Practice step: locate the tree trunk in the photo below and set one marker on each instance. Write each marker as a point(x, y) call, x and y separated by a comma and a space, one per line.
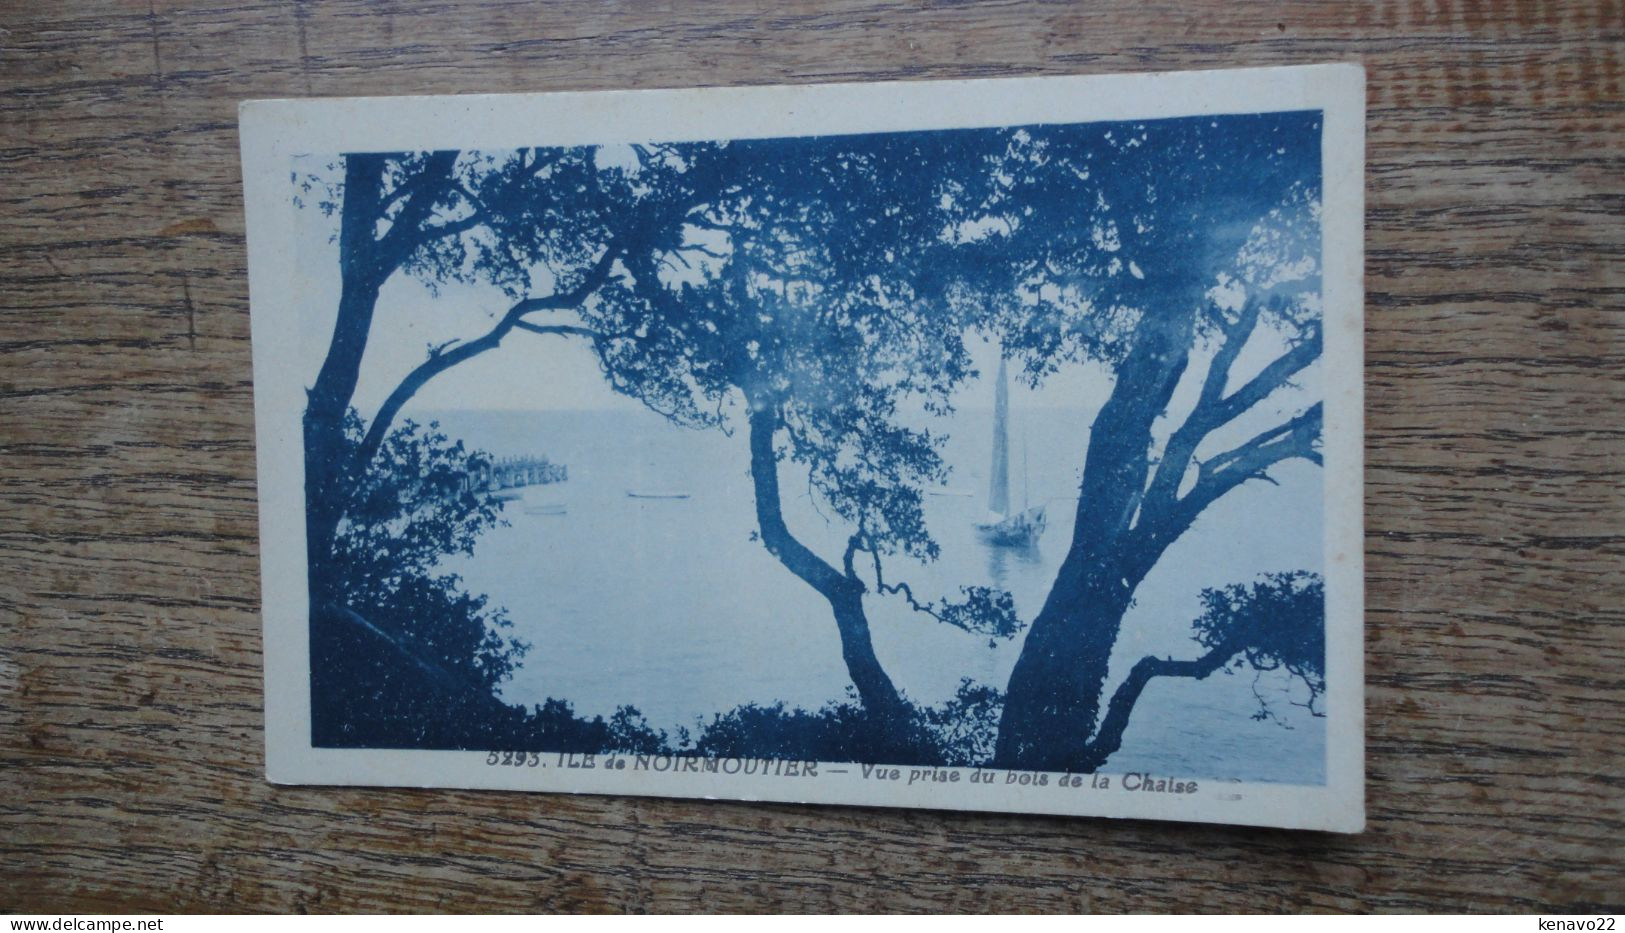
point(327, 453)
point(843, 593)
point(875, 688)
point(1053, 697)
point(1054, 692)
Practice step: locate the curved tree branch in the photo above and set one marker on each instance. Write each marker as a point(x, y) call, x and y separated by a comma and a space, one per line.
point(900, 588)
point(986, 611)
point(406, 233)
point(1109, 737)
point(1271, 377)
point(776, 535)
point(1214, 409)
point(445, 358)
point(567, 330)
point(1297, 438)
point(1163, 519)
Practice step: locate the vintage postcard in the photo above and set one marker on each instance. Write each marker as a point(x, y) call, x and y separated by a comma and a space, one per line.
point(983, 445)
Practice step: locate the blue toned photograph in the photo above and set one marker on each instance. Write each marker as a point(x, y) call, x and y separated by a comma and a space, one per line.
point(987, 447)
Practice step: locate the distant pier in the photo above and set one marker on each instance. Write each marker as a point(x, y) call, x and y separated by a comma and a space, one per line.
point(514, 473)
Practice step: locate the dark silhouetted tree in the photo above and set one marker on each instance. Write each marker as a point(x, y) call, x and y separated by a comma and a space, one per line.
point(812, 295)
point(1275, 624)
point(1134, 246)
point(417, 649)
point(400, 652)
point(545, 226)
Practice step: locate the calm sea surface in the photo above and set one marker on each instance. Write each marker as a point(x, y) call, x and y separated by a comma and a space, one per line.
point(669, 606)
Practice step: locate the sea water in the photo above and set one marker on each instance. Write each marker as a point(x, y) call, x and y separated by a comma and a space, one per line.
point(670, 605)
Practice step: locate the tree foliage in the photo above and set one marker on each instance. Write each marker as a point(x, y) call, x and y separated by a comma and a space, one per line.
point(806, 291)
point(1082, 234)
point(797, 290)
point(811, 289)
point(1275, 623)
point(409, 512)
point(405, 655)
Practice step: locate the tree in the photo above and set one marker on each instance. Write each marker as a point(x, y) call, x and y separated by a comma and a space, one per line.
point(1132, 247)
point(812, 296)
point(406, 516)
point(399, 652)
point(417, 646)
point(1276, 623)
point(547, 227)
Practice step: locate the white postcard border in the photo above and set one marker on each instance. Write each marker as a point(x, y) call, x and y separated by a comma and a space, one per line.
point(274, 131)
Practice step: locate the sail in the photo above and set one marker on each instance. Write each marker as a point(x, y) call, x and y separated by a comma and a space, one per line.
point(998, 492)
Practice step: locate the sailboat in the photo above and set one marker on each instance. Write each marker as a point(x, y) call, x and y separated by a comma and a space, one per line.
point(1004, 528)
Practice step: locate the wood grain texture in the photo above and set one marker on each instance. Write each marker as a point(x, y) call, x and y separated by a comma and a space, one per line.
point(130, 696)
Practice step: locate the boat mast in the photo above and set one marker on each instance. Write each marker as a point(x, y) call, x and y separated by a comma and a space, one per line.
point(1026, 502)
point(998, 494)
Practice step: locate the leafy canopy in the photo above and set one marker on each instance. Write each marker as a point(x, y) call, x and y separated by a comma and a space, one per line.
point(409, 512)
point(1274, 623)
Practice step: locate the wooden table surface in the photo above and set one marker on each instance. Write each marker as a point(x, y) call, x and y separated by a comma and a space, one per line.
point(130, 695)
